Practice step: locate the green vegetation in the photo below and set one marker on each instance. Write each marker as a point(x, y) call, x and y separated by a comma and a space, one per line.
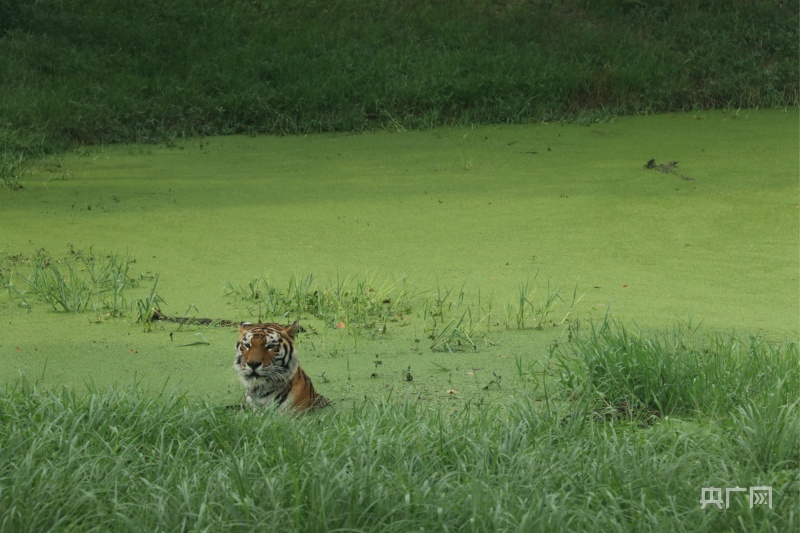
point(365, 304)
point(100, 72)
point(81, 282)
point(120, 460)
point(678, 373)
point(477, 264)
point(618, 429)
point(488, 306)
point(370, 305)
point(567, 205)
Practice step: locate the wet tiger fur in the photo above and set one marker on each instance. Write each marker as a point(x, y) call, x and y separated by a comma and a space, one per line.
point(267, 365)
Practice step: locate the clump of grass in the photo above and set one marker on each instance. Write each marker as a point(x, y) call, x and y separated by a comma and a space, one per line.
point(545, 308)
point(359, 303)
point(441, 304)
point(523, 309)
point(84, 282)
point(143, 309)
point(81, 283)
point(486, 313)
point(526, 306)
point(451, 333)
point(19, 148)
point(456, 335)
point(11, 169)
point(767, 431)
point(679, 372)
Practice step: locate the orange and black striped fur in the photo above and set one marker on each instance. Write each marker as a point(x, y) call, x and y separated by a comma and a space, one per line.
point(267, 364)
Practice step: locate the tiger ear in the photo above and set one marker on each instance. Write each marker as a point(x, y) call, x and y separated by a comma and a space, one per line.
point(291, 330)
point(245, 326)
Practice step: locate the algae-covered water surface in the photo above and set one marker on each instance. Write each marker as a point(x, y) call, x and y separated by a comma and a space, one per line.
point(566, 215)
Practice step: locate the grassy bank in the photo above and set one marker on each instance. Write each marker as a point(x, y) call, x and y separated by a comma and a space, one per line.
point(93, 71)
point(120, 460)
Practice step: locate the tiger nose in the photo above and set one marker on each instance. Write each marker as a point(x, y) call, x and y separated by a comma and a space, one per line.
point(254, 365)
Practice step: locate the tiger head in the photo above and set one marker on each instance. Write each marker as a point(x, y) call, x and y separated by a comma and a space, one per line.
point(263, 345)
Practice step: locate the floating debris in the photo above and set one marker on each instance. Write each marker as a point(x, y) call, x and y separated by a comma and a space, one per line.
point(667, 168)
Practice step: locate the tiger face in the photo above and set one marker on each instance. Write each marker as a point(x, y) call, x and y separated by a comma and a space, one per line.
point(267, 365)
point(262, 347)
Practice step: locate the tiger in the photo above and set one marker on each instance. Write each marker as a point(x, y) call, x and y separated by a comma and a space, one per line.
point(266, 363)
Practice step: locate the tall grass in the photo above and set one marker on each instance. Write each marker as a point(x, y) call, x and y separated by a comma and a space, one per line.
point(118, 460)
point(83, 282)
point(456, 334)
point(359, 303)
point(680, 372)
point(94, 71)
point(369, 305)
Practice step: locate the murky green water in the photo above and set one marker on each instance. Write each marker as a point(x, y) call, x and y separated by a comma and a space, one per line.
point(489, 207)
